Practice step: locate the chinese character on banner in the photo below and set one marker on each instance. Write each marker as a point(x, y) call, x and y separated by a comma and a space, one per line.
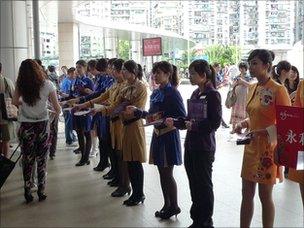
point(290, 130)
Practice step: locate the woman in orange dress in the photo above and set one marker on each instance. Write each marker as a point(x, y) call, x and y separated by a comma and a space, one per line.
point(258, 161)
point(298, 175)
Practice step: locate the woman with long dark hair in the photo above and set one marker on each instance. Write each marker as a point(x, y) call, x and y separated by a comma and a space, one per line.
point(32, 93)
point(292, 82)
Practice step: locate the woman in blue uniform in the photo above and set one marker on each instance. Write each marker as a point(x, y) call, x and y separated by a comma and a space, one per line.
point(165, 150)
point(82, 124)
point(103, 81)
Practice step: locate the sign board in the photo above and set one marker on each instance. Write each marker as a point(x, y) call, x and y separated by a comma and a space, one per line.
point(152, 46)
point(290, 133)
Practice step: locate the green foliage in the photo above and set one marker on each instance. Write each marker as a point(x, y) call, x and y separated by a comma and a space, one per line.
point(124, 48)
point(225, 55)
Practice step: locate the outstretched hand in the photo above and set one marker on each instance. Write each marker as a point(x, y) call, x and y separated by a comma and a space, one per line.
point(169, 122)
point(237, 129)
point(130, 109)
point(258, 133)
point(77, 108)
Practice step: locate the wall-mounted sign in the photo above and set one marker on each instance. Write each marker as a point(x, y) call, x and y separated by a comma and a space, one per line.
point(152, 46)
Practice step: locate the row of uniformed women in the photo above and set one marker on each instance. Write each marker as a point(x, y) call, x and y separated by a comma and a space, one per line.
point(128, 136)
point(124, 103)
point(116, 126)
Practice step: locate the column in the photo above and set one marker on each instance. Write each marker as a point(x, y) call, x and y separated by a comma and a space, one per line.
point(261, 23)
point(68, 43)
point(13, 36)
point(135, 48)
point(110, 43)
point(68, 34)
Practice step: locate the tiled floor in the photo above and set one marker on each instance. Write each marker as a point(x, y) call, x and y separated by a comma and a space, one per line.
point(79, 197)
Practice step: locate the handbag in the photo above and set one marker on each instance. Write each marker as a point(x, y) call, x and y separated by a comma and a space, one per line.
point(9, 111)
point(231, 98)
point(7, 166)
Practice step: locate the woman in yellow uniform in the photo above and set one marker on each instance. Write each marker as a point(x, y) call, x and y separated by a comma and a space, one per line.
point(258, 161)
point(298, 175)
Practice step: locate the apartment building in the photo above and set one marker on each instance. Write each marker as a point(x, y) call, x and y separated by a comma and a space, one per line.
point(268, 23)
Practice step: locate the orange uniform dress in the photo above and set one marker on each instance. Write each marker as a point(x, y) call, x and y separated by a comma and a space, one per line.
point(298, 175)
point(258, 161)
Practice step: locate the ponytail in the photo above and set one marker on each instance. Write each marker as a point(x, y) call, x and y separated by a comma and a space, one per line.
point(274, 73)
point(140, 73)
point(174, 79)
point(212, 76)
point(277, 69)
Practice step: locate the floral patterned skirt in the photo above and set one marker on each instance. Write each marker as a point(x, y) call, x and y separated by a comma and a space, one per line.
point(258, 162)
point(238, 111)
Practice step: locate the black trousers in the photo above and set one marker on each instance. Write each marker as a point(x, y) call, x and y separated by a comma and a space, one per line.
point(198, 166)
point(105, 151)
point(105, 147)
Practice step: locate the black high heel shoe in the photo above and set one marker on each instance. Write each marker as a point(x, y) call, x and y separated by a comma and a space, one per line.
point(77, 151)
point(113, 183)
point(82, 163)
point(166, 214)
point(41, 196)
point(157, 213)
point(28, 196)
point(120, 192)
point(132, 201)
point(110, 175)
point(101, 168)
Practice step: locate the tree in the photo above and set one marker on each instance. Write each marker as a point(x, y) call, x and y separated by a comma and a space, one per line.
point(124, 48)
point(224, 55)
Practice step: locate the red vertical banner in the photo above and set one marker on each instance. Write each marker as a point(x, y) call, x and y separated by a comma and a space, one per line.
point(290, 132)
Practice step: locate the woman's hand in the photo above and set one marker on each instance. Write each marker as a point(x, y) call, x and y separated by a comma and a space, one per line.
point(258, 133)
point(72, 102)
point(188, 125)
point(130, 110)
point(237, 129)
point(94, 111)
point(169, 122)
point(87, 91)
point(77, 108)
